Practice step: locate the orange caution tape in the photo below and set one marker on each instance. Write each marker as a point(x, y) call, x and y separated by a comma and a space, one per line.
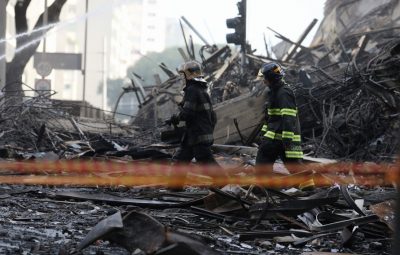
point(100, 173)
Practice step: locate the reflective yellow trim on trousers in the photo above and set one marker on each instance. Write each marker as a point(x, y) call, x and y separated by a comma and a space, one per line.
point(287, 134)
point(296, 138)
point(283, 111)
point(288, 111)
point(274, 111)
point(264, 128)
point(294, 154)
point(273, 135)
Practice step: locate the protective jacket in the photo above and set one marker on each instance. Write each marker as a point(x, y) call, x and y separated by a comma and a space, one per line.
point(197, 111)
point(282, 121)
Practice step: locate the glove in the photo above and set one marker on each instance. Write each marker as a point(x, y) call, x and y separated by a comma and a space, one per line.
point(174, 120)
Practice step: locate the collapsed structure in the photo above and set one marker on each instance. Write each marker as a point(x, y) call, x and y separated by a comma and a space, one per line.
point(347, 87)
point(346, 83)
point(349, 98)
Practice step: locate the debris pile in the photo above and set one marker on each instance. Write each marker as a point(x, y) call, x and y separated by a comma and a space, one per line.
point(36, 127)
point(348, 82)
point(347, 85)
point(351, 109)
point(231, 220)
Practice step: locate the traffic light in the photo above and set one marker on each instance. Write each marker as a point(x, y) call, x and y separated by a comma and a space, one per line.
point(239, 24)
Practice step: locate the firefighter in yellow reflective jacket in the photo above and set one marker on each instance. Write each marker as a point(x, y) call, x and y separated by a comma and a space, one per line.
point(281, 132)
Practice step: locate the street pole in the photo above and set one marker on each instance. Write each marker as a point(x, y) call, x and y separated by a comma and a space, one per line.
point(3, 18)
point(85, 55)
point(45, 21)
point(244, 14)
point(104, 73)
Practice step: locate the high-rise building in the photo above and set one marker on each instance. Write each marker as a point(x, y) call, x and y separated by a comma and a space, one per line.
point(119, 32)
point(125, 37)
point(7, 31)
point(153, 27)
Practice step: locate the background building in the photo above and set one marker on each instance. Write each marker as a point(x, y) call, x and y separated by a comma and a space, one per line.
point(7, 30)
point(118, 34)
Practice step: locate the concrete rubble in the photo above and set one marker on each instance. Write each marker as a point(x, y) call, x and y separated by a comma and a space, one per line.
point(347, 86)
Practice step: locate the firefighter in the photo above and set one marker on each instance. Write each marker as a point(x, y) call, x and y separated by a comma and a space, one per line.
point(281, 132)
point(197, 112)
point(231, 90)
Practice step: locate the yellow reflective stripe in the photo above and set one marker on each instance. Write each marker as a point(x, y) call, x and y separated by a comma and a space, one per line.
point(288, 111)
point(270, 134)
point(291, 135)
point(264, 128)
point(273, 135)
point(283, 111)
point(294, 154)
point(289, 114)
point(274, 111)
point(296, 138)
point(287, 134)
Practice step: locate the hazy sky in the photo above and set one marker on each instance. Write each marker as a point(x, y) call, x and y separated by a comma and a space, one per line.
point(288, 17)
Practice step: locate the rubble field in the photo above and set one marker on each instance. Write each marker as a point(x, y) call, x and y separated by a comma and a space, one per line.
point(347, 87)
point(53, 220)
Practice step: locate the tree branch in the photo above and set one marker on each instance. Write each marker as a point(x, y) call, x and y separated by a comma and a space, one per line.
point(21, 23)
point(27, 45)
point(53, 14)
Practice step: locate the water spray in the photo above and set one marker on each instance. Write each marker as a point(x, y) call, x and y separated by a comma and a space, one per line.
point(28, 33)
point(58, 25)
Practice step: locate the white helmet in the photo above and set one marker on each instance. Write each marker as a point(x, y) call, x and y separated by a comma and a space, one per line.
point(192, 71)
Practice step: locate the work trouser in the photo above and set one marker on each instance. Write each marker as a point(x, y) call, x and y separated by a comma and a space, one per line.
point(268, 152)
point(201, 152)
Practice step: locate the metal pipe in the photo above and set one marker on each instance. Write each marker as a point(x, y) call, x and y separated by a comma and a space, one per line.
point(195, 31)
point(45, 21)
point(85, 56)
point(244, 18)
point(184, 38)
point(3, 27)
point(294, 48)
point(104, 73)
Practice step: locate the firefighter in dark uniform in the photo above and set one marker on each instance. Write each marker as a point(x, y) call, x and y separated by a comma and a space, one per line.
point(231, 90)
point(197, 112)
point(281, 132)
